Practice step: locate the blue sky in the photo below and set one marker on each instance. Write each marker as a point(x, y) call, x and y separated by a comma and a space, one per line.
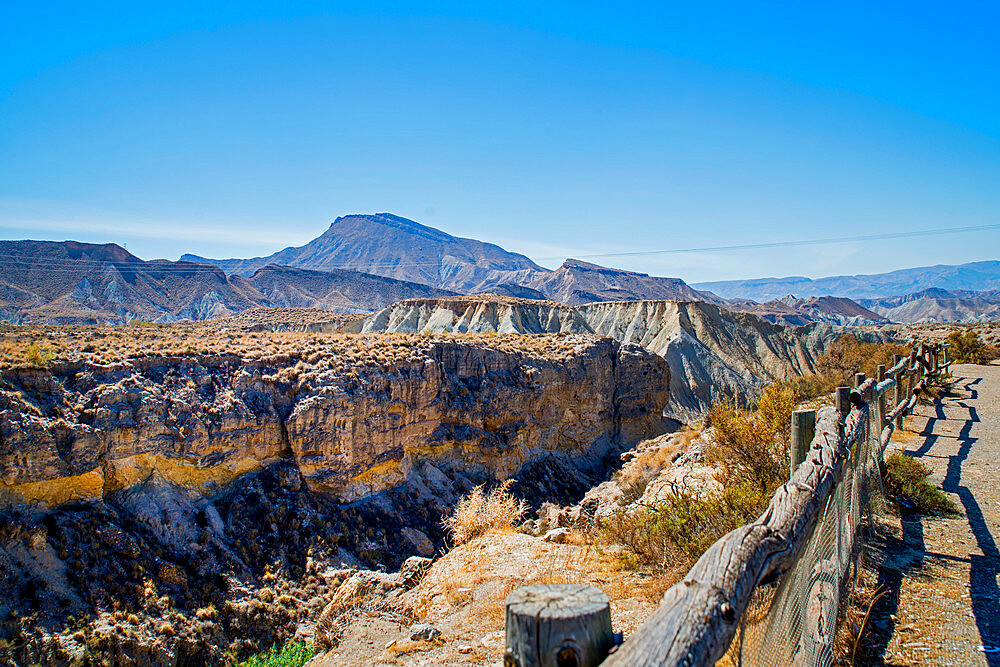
point(561, 130)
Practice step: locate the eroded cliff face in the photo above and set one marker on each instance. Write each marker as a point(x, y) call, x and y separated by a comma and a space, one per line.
point(188, 509)
point(713, 353)
point(81, 432)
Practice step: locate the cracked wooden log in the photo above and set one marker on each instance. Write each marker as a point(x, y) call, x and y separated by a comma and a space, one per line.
point(561, 625)
point(699, 616)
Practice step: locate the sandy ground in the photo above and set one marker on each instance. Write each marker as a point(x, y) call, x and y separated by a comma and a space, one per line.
point(942, 605)
point(463, 597)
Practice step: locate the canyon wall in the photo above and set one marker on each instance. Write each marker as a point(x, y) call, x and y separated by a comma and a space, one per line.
point(713, 353)
point(351, 426)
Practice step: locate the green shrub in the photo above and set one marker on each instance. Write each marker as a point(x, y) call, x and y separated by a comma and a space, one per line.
point(679, 530)
point(292, 654)
point(906, 481)
point(968, 348)
point(751, 446)
point(39, 356)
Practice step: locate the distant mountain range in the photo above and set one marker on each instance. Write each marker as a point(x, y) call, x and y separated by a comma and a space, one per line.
point(938, 305)
point(73, 283)
point(976, 276)
point(388, 245)
point(364, 263)
point(791, 311)
point(576, 283)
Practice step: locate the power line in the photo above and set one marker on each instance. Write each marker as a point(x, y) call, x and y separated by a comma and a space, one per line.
point(803, 242)
point(70, 265)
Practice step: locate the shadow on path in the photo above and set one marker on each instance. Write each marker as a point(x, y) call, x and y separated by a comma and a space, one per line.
point(985, 567)
point(983, 586)
point(907, 555)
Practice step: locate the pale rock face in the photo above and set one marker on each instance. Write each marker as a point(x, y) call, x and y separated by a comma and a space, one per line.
point(161, 434)
point(714, 354)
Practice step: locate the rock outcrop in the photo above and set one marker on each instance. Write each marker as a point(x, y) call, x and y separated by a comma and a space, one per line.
point(186, 509)
point(713, 353)
point(81, 432)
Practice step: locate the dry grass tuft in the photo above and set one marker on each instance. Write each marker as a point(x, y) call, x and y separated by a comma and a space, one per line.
point(479, 513)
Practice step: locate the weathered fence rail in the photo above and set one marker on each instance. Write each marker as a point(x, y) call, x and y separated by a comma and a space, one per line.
point(800, 548)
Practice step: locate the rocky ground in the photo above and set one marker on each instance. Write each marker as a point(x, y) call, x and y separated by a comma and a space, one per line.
point(455, 615)
point(198, 506)
point(941, 602)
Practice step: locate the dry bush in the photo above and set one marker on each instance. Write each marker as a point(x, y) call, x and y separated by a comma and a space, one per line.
point(479, 513)
point(838, 364)
point(968, 348)
point(751, 446)
point(849, 355)
point(635, 476)
point(673, 535)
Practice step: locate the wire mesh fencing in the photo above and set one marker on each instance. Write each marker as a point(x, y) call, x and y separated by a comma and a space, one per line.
point(792, 620)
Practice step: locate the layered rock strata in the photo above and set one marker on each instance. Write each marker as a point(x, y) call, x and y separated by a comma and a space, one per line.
point(190, 509)
point(80, 432)
point(713, 353)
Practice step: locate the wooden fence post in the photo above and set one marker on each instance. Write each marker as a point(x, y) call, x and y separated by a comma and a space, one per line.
point(898, 397)
point(803, 430)
point(843, 401)
point(558, 625)
point(879, 376)
point(859, 379)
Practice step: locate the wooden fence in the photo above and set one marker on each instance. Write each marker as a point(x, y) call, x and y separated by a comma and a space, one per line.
point(698, 618)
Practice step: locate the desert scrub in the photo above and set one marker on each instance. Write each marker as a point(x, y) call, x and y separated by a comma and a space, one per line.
point(906, 482)
point(678, 531)
point(292, 654)
point(968, 348)
point(751, 446)
point(36, 355)
point(479, 513)
point(838, 364)
point(750, 451)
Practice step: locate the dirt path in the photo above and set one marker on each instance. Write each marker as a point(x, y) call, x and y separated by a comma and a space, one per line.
point(943, 600)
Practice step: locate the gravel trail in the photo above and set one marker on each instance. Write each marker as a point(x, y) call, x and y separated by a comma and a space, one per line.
point(943, 601)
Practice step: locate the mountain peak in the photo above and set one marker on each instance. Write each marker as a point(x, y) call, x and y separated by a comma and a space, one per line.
point(579, 265)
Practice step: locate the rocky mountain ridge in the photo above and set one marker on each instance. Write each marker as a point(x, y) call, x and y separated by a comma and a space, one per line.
point(792, 311)
point(45, 282)
point(939, 305)
point(389, 245)
point(977, 276)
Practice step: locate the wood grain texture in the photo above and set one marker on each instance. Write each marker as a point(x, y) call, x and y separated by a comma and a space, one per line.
point(555, 625)
point(698, 617)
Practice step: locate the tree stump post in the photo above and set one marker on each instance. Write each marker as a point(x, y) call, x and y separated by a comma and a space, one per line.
point(843, 401)
point(803, 430)
point(559, 625)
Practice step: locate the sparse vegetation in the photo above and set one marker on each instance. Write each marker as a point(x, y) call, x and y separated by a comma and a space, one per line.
point(109, 344)
point(836, 367)
point(751, 451)
point(36, 355)
point(292, 654)
point(752, 445)
point(968, 348)
point(906, 482)
point(676, 532)
point(479, 513)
